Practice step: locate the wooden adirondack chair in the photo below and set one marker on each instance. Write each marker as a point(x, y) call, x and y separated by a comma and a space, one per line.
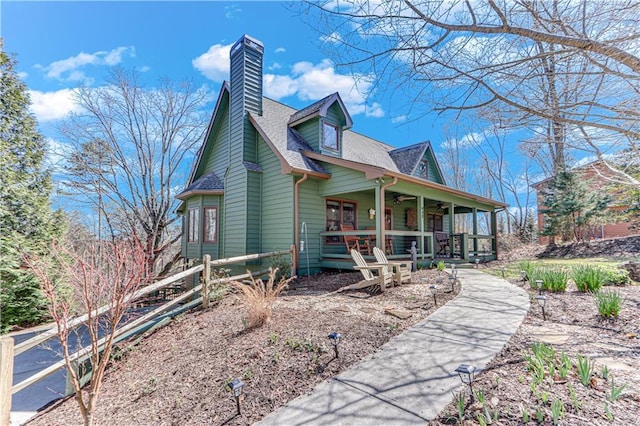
point(401, 270)
point(382, 278)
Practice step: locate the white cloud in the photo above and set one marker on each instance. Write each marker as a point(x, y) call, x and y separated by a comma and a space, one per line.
point(57, 154)
point(465, 141)
point(22, 75)
point(69, 69)
point(231, 11)
point(334, 37)
point(399, 119)
point(214, 64)
point(374, 110)
point(279, 86)
point(275, 66)
point(310, 82)
point(48, 106)
point(145, 68)
point(280, 50)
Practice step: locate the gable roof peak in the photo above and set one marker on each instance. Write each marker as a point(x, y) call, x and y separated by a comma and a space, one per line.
point(320, 108)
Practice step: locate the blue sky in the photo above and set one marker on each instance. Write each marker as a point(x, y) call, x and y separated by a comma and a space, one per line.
point(61, 45)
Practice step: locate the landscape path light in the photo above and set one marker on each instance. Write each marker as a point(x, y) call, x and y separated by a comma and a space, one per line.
point(524, 276)
point(335, 341)
point(235, 386)
point(452, 281)
point(467, 376)
point(502, 269)
point(539, 285)
point(432, 289)
point(542, 301)
point(477, 263)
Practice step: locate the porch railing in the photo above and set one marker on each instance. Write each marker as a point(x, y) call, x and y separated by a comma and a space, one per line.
point(462, 245)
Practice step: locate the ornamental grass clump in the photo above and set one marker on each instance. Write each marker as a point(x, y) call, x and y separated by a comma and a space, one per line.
point(554, 279)
point(609, 303)
point(588, 278)
point(259, 297)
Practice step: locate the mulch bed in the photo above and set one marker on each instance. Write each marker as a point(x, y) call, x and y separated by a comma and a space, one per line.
point(178, 375)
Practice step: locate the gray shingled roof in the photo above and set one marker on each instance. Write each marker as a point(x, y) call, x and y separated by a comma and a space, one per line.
point(208, 182)
point(356, 147)
point(408, 157)
point(311, 109)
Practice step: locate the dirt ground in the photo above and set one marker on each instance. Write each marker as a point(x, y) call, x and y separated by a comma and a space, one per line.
point(573, 326)
point(177, 375)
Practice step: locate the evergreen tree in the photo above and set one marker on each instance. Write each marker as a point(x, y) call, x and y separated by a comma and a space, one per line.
point(572, 207)
point(26, 220)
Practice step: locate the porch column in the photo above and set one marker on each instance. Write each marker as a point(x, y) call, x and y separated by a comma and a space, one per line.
point(494, 232)
point(475, 231)
point(452, 227)
point(379, 199)
point(420, 211)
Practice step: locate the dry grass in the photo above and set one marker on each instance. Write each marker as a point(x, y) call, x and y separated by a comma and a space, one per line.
point(259, 297)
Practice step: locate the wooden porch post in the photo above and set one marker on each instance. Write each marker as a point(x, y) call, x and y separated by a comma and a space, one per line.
point(379, 221)
point(452, 227)
point(420, 211)
point(475, 231)
point(494, 232)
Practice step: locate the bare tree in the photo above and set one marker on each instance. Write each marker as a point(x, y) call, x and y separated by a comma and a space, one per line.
point(80, 278)
point(130, 143)
point(567, 70)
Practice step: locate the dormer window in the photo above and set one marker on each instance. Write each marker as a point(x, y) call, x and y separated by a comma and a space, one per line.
point(331, 136)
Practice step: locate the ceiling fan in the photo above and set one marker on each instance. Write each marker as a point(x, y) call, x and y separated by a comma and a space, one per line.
point(397, 198)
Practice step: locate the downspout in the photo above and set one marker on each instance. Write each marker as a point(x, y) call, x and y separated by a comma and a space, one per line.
point(383, 237)
point(296, 217)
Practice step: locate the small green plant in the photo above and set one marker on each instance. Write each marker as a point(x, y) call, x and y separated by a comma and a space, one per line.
point(609, 303)
point(585, 369)
point(557, 410)
point(564, 366)
point(482, 419)
point(150, 386)
point(605, 372)
point(616, 391)
point(539, 415)
point(273, 338)
point(283, 267)
point(588, 278)
point(616, 277)
point(248, 374)
point(528, 267)
point(276, 357)
point(554, 279)
point(607, 412)
point(480, 396)
point(575, 402)
point(525, 414)
point(440, 266)
point(461, 405)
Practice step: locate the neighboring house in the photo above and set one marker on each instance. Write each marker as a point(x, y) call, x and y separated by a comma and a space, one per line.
point(269, 176)
point(594, 174)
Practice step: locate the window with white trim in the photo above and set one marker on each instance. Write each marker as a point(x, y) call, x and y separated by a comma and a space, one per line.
point(331, 136)
point(210, 223)
point(193, 225)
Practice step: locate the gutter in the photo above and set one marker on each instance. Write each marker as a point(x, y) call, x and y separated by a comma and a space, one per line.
point(296, 218)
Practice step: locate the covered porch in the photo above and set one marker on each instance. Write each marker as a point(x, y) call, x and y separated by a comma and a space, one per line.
point(445, 224)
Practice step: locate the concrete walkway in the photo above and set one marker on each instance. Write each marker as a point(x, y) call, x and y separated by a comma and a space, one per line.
point(411, 379)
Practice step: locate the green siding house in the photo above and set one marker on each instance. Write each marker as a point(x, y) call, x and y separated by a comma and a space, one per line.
point(269, 176)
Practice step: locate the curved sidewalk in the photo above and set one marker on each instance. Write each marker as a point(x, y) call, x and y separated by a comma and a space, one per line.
point(411, 379)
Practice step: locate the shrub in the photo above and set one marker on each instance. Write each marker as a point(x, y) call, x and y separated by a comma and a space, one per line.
point(260, 297)
point(527, 267)
point(609, 303)
point(441, 265)
point(282, 265)
point(554, 279)
point(616, 277)
point(588, 278)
